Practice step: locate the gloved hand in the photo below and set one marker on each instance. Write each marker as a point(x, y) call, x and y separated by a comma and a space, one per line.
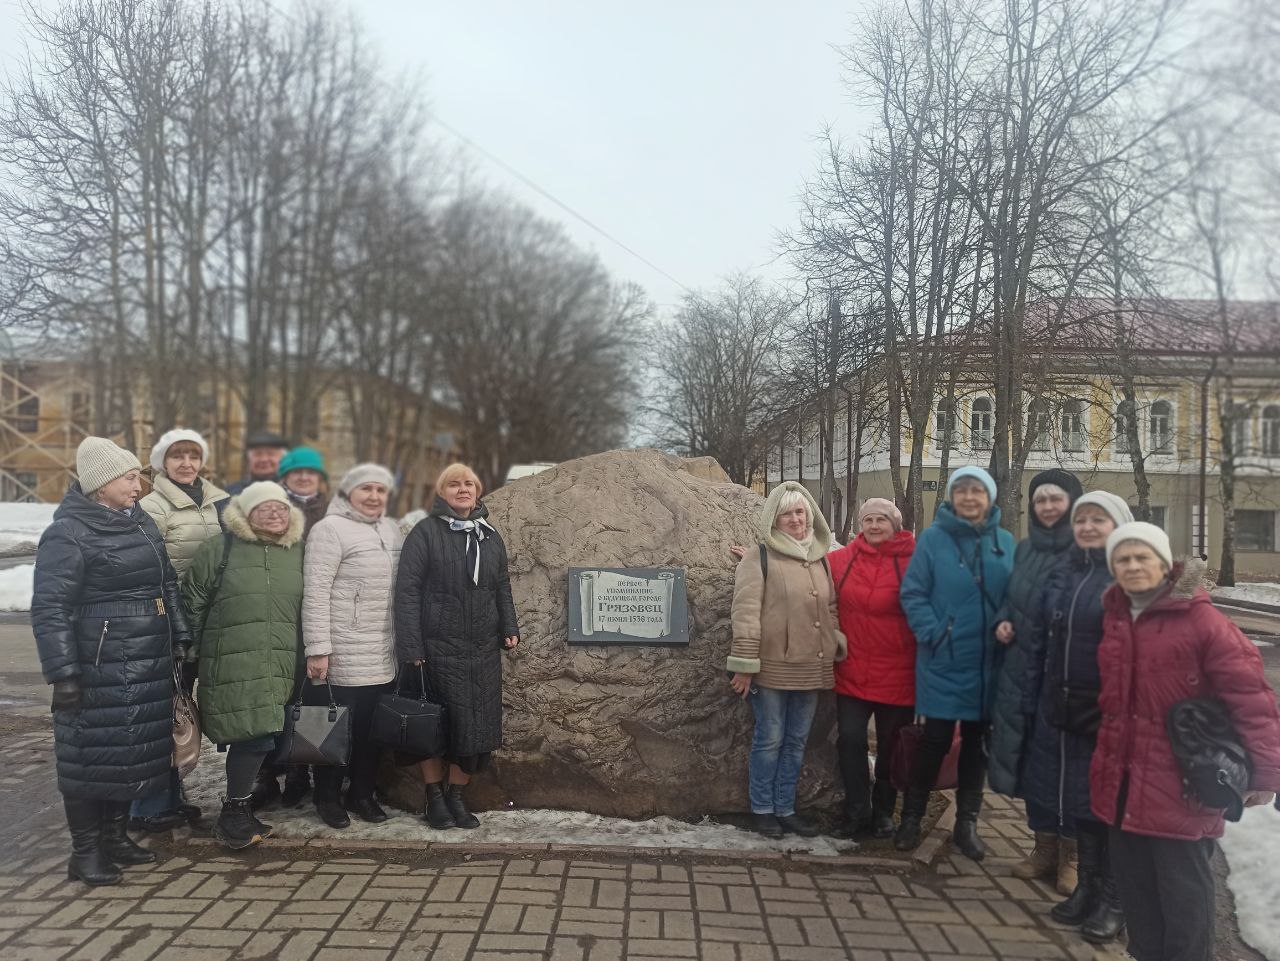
point(66, 695)
point(189, 671)
point(181, 652)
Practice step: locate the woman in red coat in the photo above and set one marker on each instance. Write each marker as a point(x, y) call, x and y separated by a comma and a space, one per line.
point(1163, 641)
point(878, 678)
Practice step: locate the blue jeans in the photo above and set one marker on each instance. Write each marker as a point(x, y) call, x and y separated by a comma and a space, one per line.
point(783, 719)
point(162, 802)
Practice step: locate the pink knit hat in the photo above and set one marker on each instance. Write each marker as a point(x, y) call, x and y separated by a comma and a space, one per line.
point(880, 505)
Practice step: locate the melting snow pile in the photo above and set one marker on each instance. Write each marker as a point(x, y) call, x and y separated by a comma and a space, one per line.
point(15, 587)
point(21, 526)
point(207, 784)
point(1252, 847)
point(1257, 593)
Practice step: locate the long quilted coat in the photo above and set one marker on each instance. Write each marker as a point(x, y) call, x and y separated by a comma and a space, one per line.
point(953, 588)
point(456, 626)
point(881, 663)
point(94, 613)
point(248, 651)
point(346, 609)
point(1033, 564)
point(1181, 646)
point(1063, 654)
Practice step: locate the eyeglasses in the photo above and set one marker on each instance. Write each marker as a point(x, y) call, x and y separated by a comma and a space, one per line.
point(272, 509)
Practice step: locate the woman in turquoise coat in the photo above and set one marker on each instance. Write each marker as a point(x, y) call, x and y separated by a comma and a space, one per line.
point(952, 591)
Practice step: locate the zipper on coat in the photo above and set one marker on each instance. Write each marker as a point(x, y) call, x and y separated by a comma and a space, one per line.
point(97, 658)
point(160, 558)
point(1066, 687)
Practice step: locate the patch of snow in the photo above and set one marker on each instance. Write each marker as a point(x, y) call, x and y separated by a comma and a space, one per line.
point(21, 526)
point(1252, 847)
point(206, 786)
point(1257, 593)
point(15, 587)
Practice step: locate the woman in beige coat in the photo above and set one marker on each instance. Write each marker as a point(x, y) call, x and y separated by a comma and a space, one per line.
point(350, 568)
point(785, 645)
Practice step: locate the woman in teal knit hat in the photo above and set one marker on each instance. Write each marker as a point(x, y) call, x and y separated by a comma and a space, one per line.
point(303, 476)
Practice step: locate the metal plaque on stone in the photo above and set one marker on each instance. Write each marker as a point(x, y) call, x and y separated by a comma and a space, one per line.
point(628, 605)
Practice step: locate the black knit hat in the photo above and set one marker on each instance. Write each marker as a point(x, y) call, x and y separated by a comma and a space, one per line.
point(1059, 477)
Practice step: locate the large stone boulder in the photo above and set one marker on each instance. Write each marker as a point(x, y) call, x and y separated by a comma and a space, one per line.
point(626, 731)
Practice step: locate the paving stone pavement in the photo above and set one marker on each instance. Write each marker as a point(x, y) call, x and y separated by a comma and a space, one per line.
point(296, 902)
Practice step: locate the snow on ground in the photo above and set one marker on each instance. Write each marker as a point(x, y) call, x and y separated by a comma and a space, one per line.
point(21, 526)
point(1258, 593)
point(1252, 847)
point(15, 587)
point(207, 784)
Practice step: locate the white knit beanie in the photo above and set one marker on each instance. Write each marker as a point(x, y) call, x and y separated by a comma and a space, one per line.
point(171, 437)
point(259, 493)
point(1111, 504)
point(1144, 533)
point(365, 474)
point(99, 462)
point(881, 505)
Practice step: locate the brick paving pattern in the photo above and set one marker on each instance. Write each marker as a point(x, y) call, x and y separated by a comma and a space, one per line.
point(295, 902)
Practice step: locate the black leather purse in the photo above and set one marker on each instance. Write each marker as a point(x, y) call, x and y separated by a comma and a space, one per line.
point(317, 734)
point(412, 725)
point(1215, 766)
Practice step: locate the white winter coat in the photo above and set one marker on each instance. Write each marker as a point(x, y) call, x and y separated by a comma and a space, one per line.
point(349, 576)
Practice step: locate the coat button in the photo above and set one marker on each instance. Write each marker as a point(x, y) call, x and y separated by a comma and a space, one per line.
point(819, 655)
point(817, 623)
point(813, 593)
point(805, 565)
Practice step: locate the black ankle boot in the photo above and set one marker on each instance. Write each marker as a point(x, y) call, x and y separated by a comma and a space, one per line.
point(1084, 898)
point(436, 811)
point(964, 838)
point(1106, 920)
point(330, 808)
point(914, 804)
point(236, 826)
point(116, 843)
point(297, 782)
point(883, 800)
point(88, 862)
point(458, 808)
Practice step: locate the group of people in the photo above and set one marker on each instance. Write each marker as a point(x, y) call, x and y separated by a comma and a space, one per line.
point(268, 593)
point(1054, 662)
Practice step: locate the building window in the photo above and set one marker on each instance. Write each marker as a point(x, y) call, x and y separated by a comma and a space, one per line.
point(1038, 425)
point(1162, 427)
point(980, 424)
point(80, 406)
point(1160, 517)
point(1256, 530)
point(1122, 427)
point(944, 434)
point(1073, 425)
point(1271, 430)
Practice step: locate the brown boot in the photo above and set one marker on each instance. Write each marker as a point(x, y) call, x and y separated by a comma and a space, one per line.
point(1042, 862)
point(1066, 866)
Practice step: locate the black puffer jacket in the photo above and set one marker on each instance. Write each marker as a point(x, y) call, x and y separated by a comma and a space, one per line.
point(106, 610)
point(1061, 687)
point(1033, 564)
point(455, 625)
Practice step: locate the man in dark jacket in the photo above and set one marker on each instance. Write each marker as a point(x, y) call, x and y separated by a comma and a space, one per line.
point(108, 622)
point(263, 451)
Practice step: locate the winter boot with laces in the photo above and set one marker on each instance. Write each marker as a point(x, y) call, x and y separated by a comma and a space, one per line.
point(1042, 862)
point(236, 826)
point(1068, 857)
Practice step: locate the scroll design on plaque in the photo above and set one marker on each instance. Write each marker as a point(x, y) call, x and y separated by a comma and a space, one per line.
point(616, 603)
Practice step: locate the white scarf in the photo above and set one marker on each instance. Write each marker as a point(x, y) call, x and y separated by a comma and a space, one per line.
point(475, 531)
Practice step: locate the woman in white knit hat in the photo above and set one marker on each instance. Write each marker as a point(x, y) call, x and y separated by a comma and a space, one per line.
point(187, 510)
point(351, 561)
point(108, 621)
point(1164, 642)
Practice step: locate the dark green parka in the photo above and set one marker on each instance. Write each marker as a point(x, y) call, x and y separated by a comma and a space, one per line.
point(248, 650)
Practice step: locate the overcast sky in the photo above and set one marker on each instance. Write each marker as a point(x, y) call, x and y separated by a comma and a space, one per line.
point(682, 129)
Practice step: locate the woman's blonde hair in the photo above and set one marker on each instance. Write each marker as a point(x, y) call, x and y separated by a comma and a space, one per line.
point(455, 472)
point(788, 501)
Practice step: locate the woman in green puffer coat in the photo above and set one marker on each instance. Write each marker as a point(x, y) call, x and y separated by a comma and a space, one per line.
point(248, 645)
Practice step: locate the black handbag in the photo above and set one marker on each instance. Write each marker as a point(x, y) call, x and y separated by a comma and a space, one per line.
point(412, 725)
point(1215, 766)
point(319, 735)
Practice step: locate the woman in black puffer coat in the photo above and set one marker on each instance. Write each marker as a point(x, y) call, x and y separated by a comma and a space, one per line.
point(454, 615)
point(108, 621)
point(1060, 690)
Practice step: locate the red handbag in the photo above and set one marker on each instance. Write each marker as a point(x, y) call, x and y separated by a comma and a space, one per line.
point(903, 757)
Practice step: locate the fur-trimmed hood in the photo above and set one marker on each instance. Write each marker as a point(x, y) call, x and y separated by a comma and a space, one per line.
point(238, 525)
point(777, 541)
